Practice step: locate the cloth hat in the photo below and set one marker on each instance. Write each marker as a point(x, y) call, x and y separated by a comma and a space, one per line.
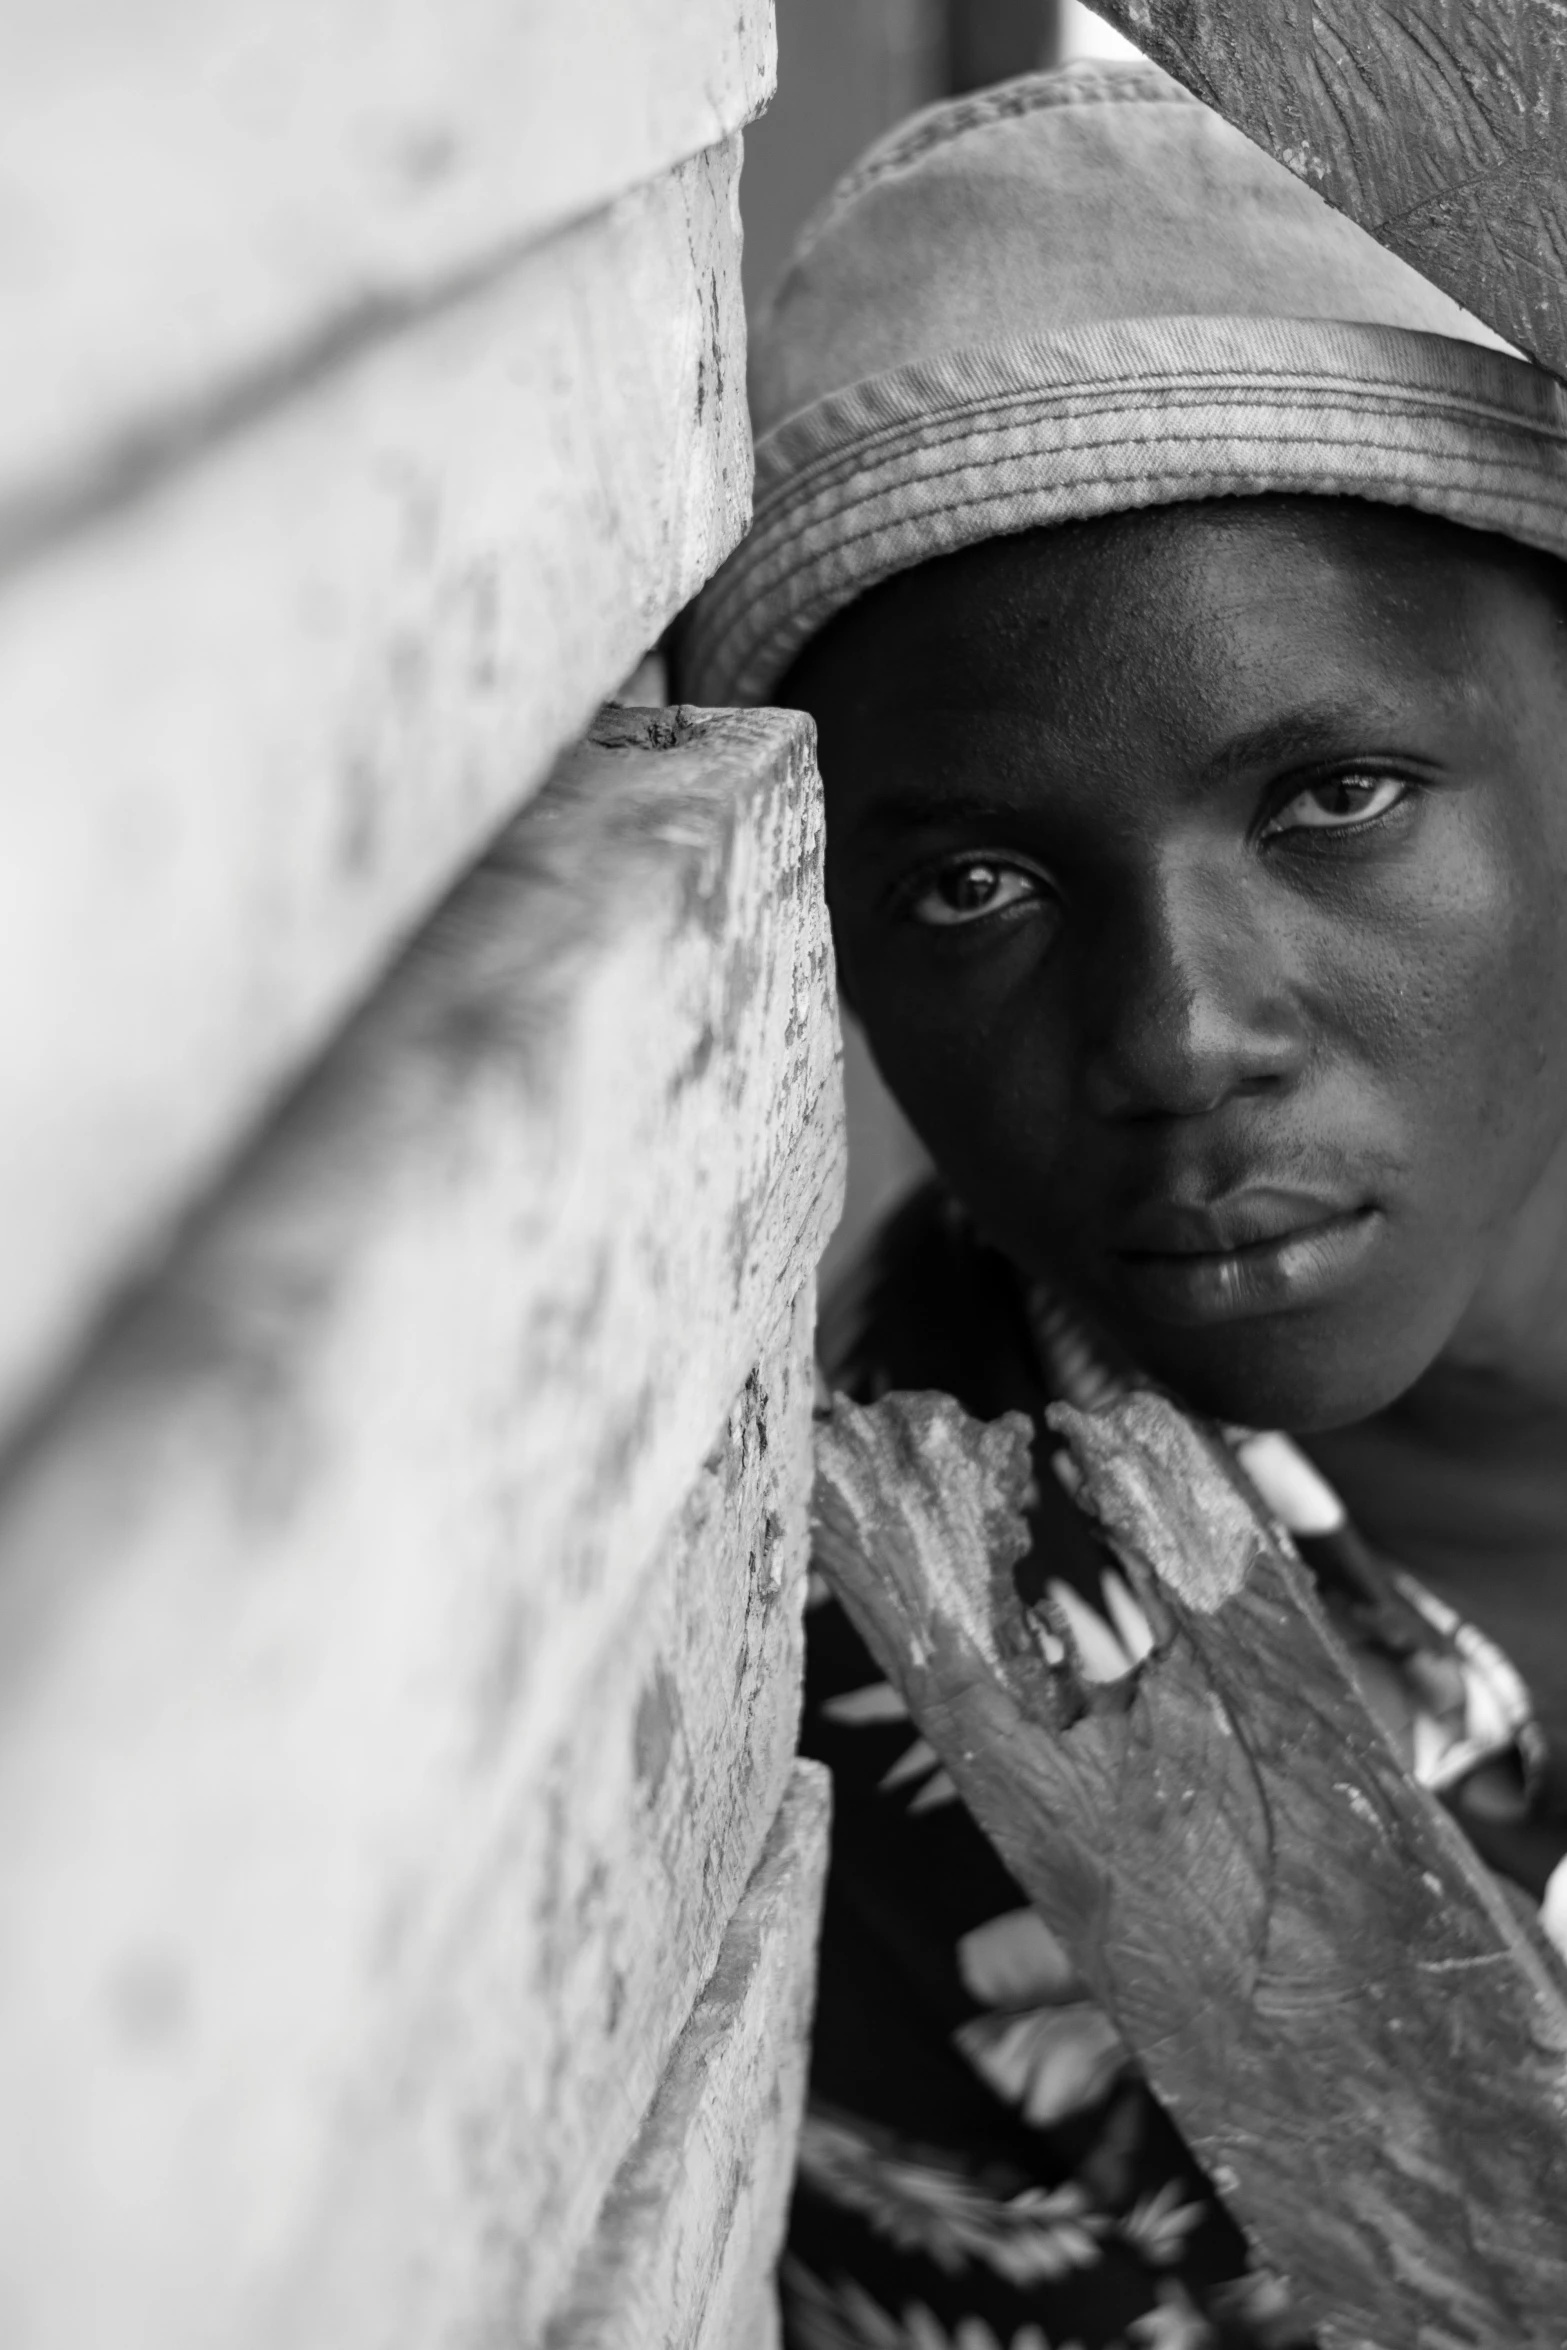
point(1077, 293)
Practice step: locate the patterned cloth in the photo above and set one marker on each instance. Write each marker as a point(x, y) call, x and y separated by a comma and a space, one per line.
point(982, 2167)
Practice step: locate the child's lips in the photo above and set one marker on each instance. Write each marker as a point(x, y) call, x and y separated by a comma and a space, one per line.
point(1258, 1252)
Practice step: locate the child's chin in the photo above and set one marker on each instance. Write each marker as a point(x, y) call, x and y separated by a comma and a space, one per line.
point(1295, 1373)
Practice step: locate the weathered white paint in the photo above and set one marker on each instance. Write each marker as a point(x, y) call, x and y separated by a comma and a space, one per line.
point(250, 727)
point(203, 198)
point(479, 2152)
point(305, 1578)
point(760, 2326)
point(695, 2219)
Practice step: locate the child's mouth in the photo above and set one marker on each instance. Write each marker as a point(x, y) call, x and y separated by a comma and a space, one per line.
point(1261, 1254)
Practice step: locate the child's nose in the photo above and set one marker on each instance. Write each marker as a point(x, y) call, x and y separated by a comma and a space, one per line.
point(1192, 1004)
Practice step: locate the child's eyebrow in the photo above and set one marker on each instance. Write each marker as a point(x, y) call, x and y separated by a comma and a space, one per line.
point(1308, 734)
point(894, 819)
point(1295, 738)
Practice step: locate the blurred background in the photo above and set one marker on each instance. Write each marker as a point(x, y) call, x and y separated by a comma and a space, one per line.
point(847, 70)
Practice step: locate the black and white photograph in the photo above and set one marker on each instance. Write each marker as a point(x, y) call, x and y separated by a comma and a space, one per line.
point(783, 1175)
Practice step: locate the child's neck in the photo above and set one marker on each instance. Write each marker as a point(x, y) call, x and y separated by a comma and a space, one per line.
point(1464, 1478)
point(1516, 1326)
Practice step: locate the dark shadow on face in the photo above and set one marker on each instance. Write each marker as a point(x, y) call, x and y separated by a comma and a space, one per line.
point(1198, 876)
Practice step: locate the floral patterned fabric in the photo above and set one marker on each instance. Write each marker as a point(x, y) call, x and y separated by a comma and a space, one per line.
point(982, 2167)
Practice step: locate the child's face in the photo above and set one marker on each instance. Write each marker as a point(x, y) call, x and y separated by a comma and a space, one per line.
point(1201, 880)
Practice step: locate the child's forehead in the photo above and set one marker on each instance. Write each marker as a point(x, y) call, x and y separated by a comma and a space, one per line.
point(1191, 649)
point(1149, 574)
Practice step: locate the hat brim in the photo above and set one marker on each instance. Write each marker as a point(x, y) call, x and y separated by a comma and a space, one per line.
point(982, 442)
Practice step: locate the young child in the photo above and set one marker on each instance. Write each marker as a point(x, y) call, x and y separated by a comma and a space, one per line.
point(1173, 576)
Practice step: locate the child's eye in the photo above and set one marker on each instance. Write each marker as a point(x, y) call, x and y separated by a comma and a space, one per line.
point(969, 889)
point(1337, 805)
